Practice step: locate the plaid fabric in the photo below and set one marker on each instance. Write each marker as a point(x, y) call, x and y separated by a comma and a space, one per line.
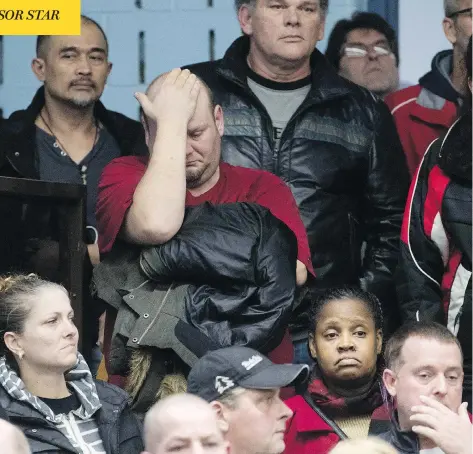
point(335, 406)
point(79, 378)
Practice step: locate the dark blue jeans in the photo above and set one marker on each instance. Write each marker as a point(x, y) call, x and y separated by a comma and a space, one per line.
point(301, 352)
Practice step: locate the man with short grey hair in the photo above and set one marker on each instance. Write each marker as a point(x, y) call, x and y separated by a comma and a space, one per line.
point(287, 111)
point(243, 387)
point(12, 440)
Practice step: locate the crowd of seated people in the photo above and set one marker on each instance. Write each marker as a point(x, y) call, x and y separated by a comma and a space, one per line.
point(260, 278)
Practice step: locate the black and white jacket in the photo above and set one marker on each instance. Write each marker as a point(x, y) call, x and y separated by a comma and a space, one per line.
point(103, 424)
point(434, 275)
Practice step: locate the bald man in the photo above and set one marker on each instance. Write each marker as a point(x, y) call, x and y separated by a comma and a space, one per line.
point(12, 440)
point(183, 423)
point(143, 199)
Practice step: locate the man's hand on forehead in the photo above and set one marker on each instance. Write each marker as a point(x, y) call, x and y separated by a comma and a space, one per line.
point(171, 97)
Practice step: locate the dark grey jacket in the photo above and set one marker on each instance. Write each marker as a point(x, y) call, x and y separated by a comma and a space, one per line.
point(118, 427)
point(404, 442)
point(107, 404)
point(342, 158)
point(147, 311)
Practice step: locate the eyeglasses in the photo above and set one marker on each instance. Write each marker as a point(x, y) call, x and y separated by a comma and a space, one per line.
point(457, 13)
point(361, 52)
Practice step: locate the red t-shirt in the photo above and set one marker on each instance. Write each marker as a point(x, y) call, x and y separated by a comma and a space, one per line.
point(236, 184)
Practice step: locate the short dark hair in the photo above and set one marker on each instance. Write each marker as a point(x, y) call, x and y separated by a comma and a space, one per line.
point(239, 3)
point(371, 302)
point(423, 329)
point(359, 20)
point(41, 40)
point(450, 6)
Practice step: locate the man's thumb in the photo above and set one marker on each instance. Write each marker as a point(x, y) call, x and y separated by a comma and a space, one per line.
point(145, 103)
point(140, 97)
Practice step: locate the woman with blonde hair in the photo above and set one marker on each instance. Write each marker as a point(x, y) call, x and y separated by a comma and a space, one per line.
point(46, 387)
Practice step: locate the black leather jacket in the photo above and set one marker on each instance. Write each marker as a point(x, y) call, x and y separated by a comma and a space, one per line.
point(403, 442)
point(341, 156)
point(242, 261)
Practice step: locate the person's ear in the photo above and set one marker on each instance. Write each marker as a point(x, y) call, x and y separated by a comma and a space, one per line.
point(245, 19)
point(13, 343)
point(220, 411)
point(321, 30)
point(379, 342)
point(390, 381)
point(312, 347)
point(219, 121)
point(38, 65)
point(449, 30)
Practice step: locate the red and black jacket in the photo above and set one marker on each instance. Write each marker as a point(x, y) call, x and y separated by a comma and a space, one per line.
point(310, 430)
point(313, 427)
point(434, 275)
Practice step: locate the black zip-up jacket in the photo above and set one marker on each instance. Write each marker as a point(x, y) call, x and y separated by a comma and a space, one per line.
point(434, 276)
point(18, 158)
point(119, 428)
point(241, 259)
point(341, 156)
point(403, 442)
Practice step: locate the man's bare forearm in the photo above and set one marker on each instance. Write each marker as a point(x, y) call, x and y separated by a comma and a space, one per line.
point(157, 211)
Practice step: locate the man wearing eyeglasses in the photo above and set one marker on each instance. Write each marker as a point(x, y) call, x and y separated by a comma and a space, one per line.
point(364, 49)
point(427, 110)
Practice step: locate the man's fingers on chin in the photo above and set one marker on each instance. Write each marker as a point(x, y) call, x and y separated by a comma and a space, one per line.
point(424, 431)
point(425, 420)
point(424, 409)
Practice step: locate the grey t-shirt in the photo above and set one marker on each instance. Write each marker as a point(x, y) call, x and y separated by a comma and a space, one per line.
point(281, 99)
point(57, 166)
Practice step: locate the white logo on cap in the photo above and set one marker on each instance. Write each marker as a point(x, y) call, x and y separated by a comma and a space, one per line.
point(223, 383)
point(252, 362)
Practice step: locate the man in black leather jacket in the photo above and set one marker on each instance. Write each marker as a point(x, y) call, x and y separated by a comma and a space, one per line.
point(287, 111)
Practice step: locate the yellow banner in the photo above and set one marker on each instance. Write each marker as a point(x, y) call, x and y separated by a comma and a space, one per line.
point(39, 17)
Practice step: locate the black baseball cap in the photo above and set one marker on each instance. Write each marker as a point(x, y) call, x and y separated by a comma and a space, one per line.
point(222, 370)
